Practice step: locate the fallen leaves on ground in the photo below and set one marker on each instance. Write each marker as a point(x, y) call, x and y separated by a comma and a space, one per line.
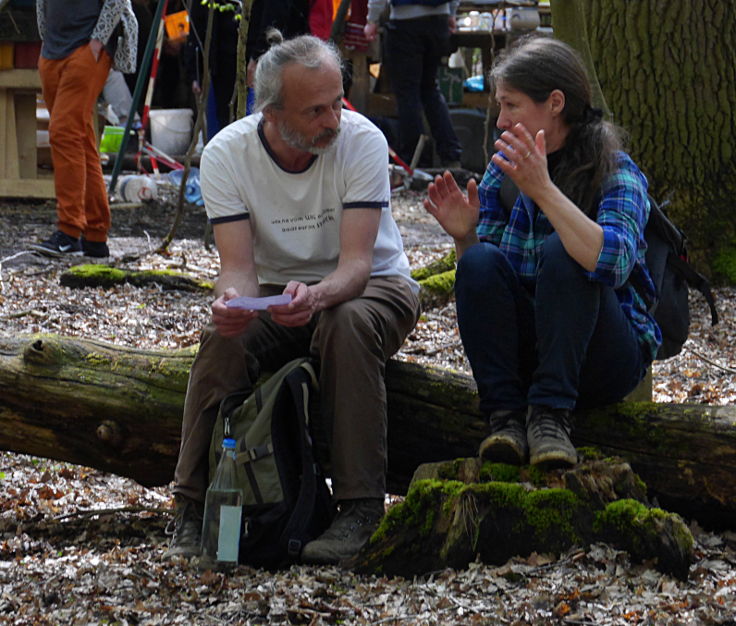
point(78, 546)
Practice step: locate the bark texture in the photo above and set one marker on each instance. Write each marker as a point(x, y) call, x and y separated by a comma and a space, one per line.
point(668, 72)
point(119, 409)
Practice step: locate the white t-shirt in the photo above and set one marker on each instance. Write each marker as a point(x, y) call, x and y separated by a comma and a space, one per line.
point(295, 216)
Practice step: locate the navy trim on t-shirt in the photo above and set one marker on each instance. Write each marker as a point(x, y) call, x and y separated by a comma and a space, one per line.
point(271, 153)
point(364, 205)
point(230, 218)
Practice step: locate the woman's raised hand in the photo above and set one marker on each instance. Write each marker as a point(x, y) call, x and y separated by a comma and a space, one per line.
point(456, 212)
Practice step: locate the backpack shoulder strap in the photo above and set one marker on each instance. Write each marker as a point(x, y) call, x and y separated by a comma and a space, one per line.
point(677, 255)
point(301, 382)
point(508, 194)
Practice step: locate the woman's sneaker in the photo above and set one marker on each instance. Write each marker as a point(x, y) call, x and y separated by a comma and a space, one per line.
point(58, 245)
point(507, 441)
point(548, 432)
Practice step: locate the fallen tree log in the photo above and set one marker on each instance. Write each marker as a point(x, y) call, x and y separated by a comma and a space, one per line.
point(119, 409)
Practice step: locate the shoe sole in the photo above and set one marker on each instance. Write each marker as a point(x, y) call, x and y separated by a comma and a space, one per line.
point(553, 459)
point(54, 254)
point(501, 449)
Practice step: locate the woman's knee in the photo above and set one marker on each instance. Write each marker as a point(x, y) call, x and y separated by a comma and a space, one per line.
point(479, 267)
point(555, 262)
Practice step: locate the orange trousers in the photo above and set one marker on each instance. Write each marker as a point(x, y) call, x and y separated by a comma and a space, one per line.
point(70, 89)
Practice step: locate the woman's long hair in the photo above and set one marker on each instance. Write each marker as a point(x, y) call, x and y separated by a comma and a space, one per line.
point(536, 66)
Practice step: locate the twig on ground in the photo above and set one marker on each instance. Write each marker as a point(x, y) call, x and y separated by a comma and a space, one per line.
point(702, 357)
point(125, 509)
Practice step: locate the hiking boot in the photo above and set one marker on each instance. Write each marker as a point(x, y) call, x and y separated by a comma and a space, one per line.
point(507, 441)
point(97, 249)
point(356, 521)
point(548, 433)
point(185, 528)
point(58, 245)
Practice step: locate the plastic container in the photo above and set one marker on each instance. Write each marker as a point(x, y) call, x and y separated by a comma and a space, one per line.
point(136, 188)
point(171, 130)
point(192, 191)
point(112, 139)
point(221, 526)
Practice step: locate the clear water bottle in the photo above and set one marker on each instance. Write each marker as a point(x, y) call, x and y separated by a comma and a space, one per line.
point(223, 512)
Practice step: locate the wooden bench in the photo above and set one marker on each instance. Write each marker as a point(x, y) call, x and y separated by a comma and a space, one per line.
point(19, 175)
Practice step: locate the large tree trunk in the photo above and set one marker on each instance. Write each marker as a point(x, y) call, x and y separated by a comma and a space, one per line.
point(119, 409)
point(668, 72)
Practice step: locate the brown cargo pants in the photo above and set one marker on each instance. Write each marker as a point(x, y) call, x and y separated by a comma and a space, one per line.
point(352, 341)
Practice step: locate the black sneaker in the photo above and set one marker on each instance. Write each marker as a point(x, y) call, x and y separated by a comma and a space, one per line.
point(185, 528)
point(507, 441)
point(58, 245)
point(548, 433)
point(356, 521)
point(97, 249)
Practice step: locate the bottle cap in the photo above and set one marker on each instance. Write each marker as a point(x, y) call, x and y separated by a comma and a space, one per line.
point(229, 444)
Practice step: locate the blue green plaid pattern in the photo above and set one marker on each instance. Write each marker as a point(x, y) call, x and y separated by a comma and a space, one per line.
point(623, 211)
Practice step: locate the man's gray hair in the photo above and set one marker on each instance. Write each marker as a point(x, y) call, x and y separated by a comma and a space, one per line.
point(306, 50)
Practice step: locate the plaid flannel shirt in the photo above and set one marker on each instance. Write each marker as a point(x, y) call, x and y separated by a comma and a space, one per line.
point(623, 211)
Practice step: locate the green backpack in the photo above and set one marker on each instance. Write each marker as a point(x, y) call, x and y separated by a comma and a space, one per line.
point(287, 502)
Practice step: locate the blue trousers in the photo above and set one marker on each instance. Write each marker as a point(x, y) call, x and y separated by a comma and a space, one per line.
point(564, 344)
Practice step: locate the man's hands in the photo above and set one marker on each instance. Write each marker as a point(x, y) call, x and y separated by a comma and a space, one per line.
point(300, 310)
point(232, 322)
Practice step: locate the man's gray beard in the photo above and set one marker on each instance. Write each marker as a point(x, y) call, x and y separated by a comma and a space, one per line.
point(299, 142)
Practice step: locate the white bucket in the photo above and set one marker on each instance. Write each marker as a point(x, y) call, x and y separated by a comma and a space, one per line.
point(171, 130)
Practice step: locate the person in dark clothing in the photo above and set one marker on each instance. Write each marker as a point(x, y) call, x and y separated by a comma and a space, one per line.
point(222, 65)
point(417, 37)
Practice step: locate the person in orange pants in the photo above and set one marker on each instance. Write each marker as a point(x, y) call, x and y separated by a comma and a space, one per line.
point(81, 42)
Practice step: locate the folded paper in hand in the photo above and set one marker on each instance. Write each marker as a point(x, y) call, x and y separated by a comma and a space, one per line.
point(258, 304)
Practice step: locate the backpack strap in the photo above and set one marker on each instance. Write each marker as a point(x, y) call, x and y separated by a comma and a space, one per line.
point(299, 382)
point(508, 194)
point(697, 281)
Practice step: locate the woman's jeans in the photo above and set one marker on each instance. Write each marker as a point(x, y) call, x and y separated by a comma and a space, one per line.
point(566, 345)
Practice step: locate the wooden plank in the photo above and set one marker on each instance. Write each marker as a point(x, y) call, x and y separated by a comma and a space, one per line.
point(20, 79)
point(42, 188)
point(9, 155)
point(25, 132)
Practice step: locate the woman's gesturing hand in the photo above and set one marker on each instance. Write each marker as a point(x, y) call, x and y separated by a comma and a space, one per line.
point(456, 212)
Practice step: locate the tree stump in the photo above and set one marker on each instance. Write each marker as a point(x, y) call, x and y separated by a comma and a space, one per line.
point(459, 511)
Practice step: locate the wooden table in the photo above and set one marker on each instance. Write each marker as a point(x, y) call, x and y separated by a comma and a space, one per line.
point(18, 157)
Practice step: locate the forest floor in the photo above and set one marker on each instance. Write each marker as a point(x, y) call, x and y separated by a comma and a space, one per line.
point(78, 546)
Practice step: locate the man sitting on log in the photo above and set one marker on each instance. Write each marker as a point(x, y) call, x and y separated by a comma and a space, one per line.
point(298, 196)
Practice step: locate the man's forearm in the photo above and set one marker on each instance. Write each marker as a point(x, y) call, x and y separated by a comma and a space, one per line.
point(245, 284)
point(348, 281)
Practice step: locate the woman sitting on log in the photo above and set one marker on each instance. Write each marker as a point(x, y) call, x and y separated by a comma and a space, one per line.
point(547, 315)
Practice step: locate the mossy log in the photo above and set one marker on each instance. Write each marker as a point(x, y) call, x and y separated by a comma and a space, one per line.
point(105, 276)
point(119, 409)
point(436, 281)
point(458, 511)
